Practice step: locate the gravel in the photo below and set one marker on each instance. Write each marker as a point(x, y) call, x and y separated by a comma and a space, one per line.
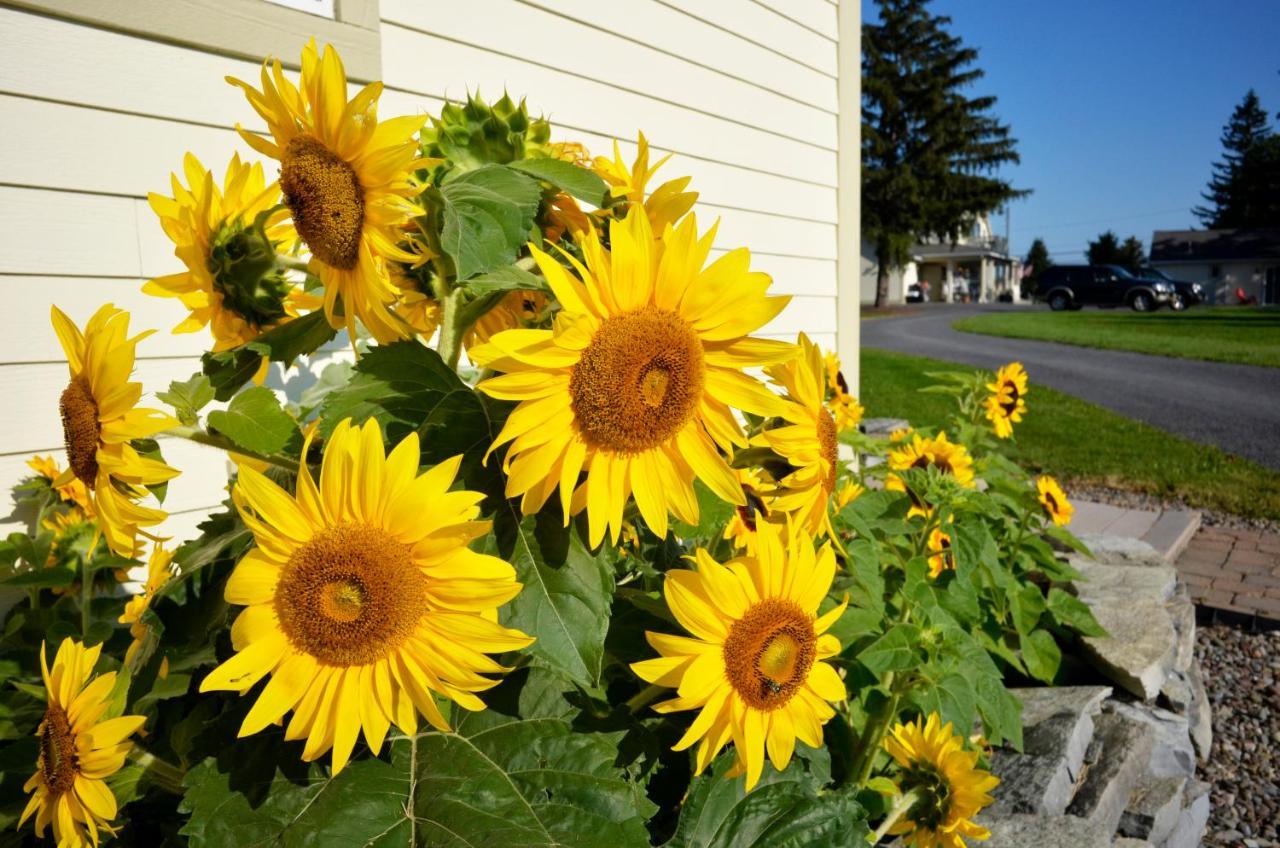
point(1242, 675)
point(1141, 500)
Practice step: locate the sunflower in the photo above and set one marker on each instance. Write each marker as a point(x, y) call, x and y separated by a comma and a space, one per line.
point(363, 600)
point(848, 493)
point(942, 557)
point(159, 571)
point(951, 787)
point(99, 420)
point(666, 205)
point(71, 492)
point(754, 666)
point(844, 407)
point(741, 529)
point(1054, 501)
point(806, 439)
point(78, 750)
point(1005, 405)
point(516, 310)
point(564, 215)
point(232, 283)
point(347, 180)
point(948, 457)
point(634, 383)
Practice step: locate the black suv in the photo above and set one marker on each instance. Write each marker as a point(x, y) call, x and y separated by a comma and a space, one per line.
point(1076, 286)
point(1184, 293)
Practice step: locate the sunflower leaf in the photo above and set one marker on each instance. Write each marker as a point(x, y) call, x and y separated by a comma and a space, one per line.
point(188, 397)
point(487, 215)
point(255, 421)
point(228, 370)
point(505, 279)
point(580, 182)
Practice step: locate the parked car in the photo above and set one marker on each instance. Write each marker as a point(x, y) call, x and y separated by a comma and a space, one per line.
point(1184, 293)
point(915, 294)
point(1077, 286)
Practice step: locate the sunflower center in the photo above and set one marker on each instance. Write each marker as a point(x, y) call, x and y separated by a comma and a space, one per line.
point(351, 595)
point(326, 199)
point(638, 382)
point(830, 447)
point(80, 429)
point(769, 652)
point(934, 806)
point(59, 762)
point(1051, 502)
point(937, 462)
point(1011, 401)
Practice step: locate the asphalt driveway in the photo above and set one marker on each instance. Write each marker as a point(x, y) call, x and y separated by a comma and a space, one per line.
point(1233, 407)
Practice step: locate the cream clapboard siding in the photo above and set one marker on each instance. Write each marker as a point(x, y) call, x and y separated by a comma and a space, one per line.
point(743, 92)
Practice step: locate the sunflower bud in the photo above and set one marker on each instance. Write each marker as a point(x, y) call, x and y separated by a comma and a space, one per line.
point(242, 262)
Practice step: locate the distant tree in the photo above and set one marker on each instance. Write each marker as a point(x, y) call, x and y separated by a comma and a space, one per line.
point(1256, 202)
point(928, 150)
point(1132, 256)
point(1228, 188)
point(1036, 263)
point(1105, 251)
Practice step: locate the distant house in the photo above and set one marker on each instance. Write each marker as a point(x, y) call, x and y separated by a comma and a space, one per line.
point(1222, 261)
point(977, 267)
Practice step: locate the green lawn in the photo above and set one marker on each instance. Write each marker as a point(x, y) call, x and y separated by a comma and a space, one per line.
point(1247, 335)
point(1078, 441)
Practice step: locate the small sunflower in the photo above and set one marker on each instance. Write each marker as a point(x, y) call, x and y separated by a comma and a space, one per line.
point(951, 787)
point(564, 215)
point(363, 601)
point(806, 438)
point(1005, 405)
point(754, 667)
point(79, 750)
point(232, 283)
point(948, 457)
point(741, 529)
point(100, 419)
point(942, 557)
point(666, 205)
point(1054, 501)
point(848, 493)
point(844, 407)
point(515, 311)
point(633, 385)
point(71, 492)
point(347, 180)
point(159, 570)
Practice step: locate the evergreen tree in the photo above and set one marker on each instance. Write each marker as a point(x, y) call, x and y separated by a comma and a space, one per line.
point(1248, 126)
point(1257, 201)
point(1132, 256)
point(1105, 250)
point(928, 151)
point(1037, 262)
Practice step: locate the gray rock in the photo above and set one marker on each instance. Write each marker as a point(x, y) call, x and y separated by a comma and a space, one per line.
point(1154, 808)
point(1115, 763)
point(1172, 753)
point(1184, 693)
point(1057, 727)
point(1126, 842)
point(1194, 818)
point(1183, 615)
point(1138, 651)
point(1121, 550)
point(1104, 581)
point(883, 426)
point(1022, 831)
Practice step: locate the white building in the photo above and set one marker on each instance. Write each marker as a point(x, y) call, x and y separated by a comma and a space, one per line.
point(975, 268)
point(1224, 262)
point(758, 100)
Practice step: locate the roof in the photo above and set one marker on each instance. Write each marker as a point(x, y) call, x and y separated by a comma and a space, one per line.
point(1214, 245)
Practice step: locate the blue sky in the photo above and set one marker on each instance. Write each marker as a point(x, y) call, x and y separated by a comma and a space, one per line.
point(1117, 106)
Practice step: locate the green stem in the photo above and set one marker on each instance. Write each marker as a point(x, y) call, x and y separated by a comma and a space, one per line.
point(215, 440)
point(869, 742)
point(451, 328)
point(162, 773)
point(642, 698)
point(900, 808)
point(293, 263)
point(86, 586)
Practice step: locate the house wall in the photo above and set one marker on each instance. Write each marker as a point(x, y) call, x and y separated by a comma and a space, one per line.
point(100, 100)
point(1221, 279)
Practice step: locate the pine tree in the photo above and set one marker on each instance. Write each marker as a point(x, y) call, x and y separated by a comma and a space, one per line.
point(1037, 262)
point(1105, 250)
point(928, 151)
point(1132, 255)
point(1248, 126)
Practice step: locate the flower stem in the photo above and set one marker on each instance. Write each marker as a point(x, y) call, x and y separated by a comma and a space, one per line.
point(215, 440)
point(293, 263)
point(162, 773)
point(900, 808)
point(642, 698)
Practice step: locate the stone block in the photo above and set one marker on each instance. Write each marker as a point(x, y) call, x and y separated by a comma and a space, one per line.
point(1183, 615)
point(1121, 550)
point(1104, 581)
point(1154, 808)
point(1057, 729)
point(883, 426)
point(1138, 651)
point(1126, 842)
point(1116, 761)
point(1024, 831)
point(1194, 818)
point(1184, 694)
point(1172, 752)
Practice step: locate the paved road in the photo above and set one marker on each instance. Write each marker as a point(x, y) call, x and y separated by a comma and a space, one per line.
point(1235, 407)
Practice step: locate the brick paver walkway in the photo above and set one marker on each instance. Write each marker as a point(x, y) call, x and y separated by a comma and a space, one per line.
point(1235, 570)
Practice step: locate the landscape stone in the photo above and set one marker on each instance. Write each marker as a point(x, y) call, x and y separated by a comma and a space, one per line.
point(1105, 582)
point(1121, 550)
point(1126, 842)
point(1182, 612)
point(1138, 651)
point(1022, 831)
point(1172, 753)
point(1116, 760)
point(883, 426)
point(1194, 818)
point(1154, 808)
point(1057, 729)
point(1185, 695)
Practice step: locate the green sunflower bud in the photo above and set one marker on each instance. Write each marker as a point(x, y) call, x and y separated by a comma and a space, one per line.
point(242, 261)
point(468, 135)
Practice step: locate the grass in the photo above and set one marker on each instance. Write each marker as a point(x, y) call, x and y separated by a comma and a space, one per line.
point(1244, 335)
point(1080, 442)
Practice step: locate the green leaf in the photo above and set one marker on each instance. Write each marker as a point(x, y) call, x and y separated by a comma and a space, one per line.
point(188, 397)
point(505, 279)
point(1070, 611)
point(566, 596)
point(42, 578)
point(1027, 605)
point(488, 213)
point(951, 696)
point(782, 810)
point(1041, 654)
point(1001, 711)
point(580, 182)
point(893, 651)
point(1067, 538)
point(228, 370)
point(255, 421)
point(536, 783)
